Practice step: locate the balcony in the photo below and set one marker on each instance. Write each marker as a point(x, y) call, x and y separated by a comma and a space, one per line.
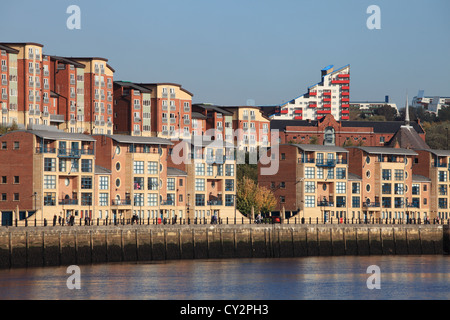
point(345, 118)
point(345, 88)
point(285, 111)
point(57, 118)
point(345, 106)
point(346, 111)
point(167, 202)
point(327, 100)
point(371, 204)
point(74, 153)
point(340, 81)
point(298, 117)
point(312, 105)
point(120, 202)
point(327, 105)
point(345, 100)
point(323, 111)
point(325, 204)
point(345, 93)
point(327, 93)
point(45, 150)
point(63, 202)
point(343, 76)
point(215, 203)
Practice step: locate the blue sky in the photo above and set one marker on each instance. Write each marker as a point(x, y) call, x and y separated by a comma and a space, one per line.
point(227, 52)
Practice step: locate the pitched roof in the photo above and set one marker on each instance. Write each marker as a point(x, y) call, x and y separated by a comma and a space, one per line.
point(138, 140)
point(60, 135)
point(175, 172)
point(420, 178)
point(133, 85)
point(387, 150)
point(101, 170)
point(407, 137)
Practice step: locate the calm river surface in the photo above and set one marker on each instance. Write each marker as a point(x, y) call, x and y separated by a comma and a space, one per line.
point(401, 277)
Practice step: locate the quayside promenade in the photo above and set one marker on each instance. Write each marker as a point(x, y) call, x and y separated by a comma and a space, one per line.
point(86, 244)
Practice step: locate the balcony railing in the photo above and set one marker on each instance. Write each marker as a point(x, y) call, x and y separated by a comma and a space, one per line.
point(371, 204)
point(45, 150)
point(167, 202)
point(74, 153)
point(325, 204)
point(215, 203)
point(124, 202)
point(68, 202)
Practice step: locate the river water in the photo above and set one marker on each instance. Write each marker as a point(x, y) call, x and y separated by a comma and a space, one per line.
point(312, 278)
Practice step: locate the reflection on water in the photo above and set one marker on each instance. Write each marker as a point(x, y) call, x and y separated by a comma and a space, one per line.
point(402, 277)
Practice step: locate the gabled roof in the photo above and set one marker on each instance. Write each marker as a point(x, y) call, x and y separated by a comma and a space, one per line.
point(420, 178)
point(171, 172)
point(60, 135)
point(68, 61)
point(137, 140)
point(212, 107)
point(8, 49)
point(387, 150)
point(407, 137)
point(133, 85)
point(101, 170)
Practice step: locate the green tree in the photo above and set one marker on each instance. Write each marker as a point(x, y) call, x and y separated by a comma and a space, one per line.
point(250, 195)
point(387, 111)
point(313, 140)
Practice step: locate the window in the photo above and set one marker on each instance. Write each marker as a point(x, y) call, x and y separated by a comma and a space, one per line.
point(86, 199)
point(138, 199)
point(199, 184)
point(4, 197)
point(152, 199)
point(340, 202)
point(229, 185)
point(138, 167)
point(138, 183)
point(104, 183)
point(340, 187)
point(330, 173)
point(49, 199)
point(16, 180)
point(229, 200)
point(340, 173)
point(117, 182)
point(442, 176)
point(319, 173)
point(310, 201)
point(356, 202)
point(171, 184)
point(49, 182)
point(283, 156)
point(229, 170)
point(442, 189)
point(399, 188)
point(386, 202)
point(442, 203)
point(152, 167)
point(16, 145)
point(16, 197)
point(200, 200)
point(199, 169)
point(356, 187)
point(415, 189)
point(309, 172)
point(386, 174)
point(220, 170)
point(152, 183)
point(62, 165)
point(86, 165)
point(398, 202)
point(386, 188)
point(103, 199)
point(4, 145)
point(4, 179)
point(398, 175)
point(86, 182)
point(282, 199)
point(209, 170)
point(49, 165)
point(368, 187)
point(310, 187)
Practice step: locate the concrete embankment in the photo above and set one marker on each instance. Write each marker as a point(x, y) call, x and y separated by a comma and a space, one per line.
point(52, 246)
